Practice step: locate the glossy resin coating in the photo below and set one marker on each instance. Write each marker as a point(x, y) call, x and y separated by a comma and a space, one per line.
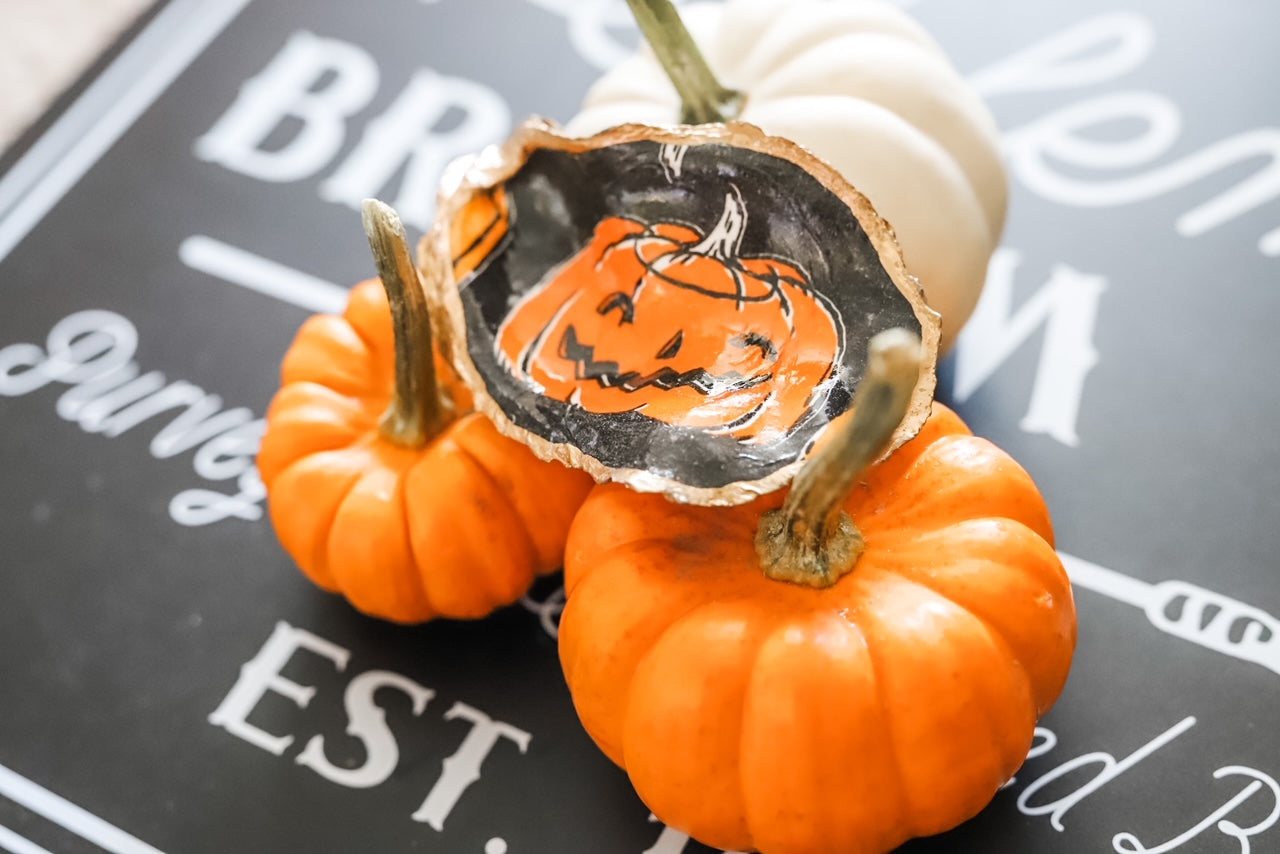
point(681, 309)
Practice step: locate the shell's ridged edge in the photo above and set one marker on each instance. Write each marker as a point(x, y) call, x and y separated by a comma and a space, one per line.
point(497, 164)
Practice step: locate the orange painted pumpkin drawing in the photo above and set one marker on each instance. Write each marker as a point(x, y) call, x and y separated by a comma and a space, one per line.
point(477, 229)
point(676, 324)
point(681, 310)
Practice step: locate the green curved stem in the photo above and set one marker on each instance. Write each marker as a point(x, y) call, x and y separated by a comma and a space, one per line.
point(810, 539)
point(704, 100)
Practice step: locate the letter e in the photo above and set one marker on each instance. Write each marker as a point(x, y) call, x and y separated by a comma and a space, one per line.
point(261, 675)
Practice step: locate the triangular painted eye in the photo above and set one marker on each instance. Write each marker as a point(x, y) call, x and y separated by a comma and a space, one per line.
point(672, 346)
point(622, 302)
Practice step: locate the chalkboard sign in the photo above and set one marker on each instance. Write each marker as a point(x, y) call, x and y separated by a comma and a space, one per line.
point(170, 681)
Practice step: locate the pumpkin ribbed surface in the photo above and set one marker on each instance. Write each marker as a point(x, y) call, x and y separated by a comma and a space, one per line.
point(756, 714)
point(455, 528)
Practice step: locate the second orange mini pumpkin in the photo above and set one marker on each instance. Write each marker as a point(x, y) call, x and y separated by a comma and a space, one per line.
point(380, 490)
point(886, 695)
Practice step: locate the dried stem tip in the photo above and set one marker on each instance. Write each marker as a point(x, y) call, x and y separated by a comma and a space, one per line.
point(810, 539)
point(417, 410)
point(703, 100)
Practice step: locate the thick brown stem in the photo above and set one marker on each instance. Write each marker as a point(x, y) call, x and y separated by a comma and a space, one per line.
point(703, 99)
point(810, 539)
point(417, 410)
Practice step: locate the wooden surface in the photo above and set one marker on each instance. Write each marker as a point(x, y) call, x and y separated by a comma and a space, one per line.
point(45, 45)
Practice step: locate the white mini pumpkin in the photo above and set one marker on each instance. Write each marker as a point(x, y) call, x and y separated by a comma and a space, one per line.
point(864, 87)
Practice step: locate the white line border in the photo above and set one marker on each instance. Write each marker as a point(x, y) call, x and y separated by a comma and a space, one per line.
point(16, 843)
point(107, 109)
point(1108, 582)
point(36, 182)
point(263, 275)
point(76, 819)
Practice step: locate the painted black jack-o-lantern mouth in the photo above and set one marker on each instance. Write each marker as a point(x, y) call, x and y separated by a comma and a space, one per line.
point(608, 375)
point(685, 323)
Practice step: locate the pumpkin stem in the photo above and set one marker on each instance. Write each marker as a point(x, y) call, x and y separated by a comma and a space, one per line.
point(725, 240)
point(417, 410)
point(703, 100)
point(810, 539)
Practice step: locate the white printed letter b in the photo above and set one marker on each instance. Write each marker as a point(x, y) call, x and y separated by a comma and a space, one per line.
point(286, 89)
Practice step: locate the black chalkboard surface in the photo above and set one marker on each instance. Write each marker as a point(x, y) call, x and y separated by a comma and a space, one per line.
point(171, 683)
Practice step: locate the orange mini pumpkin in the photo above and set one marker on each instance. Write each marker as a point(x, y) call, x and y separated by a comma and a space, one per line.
point(611, 331)
point(887, 695)
point(377, 487)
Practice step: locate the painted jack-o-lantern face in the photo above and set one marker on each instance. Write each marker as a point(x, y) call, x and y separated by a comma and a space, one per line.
point(684, 310)
point(660, 319)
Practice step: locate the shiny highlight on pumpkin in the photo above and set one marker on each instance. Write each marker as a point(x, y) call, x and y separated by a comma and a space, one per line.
point(383, 485)
point(788, 719)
